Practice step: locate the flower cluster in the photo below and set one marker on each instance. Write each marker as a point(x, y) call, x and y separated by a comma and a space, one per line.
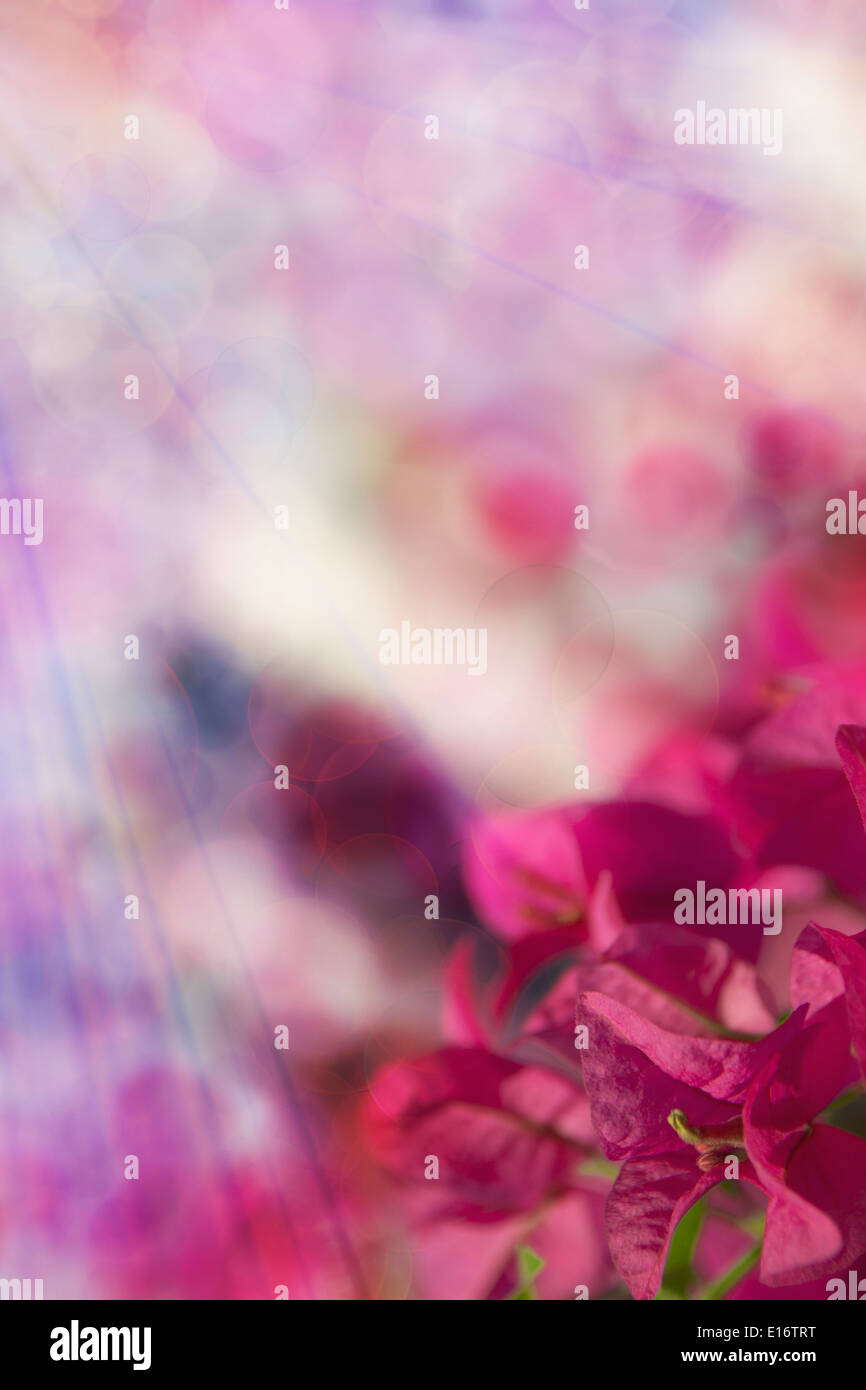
point(654, 1109)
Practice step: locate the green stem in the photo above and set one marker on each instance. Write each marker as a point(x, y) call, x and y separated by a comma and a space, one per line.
point(714, 1292)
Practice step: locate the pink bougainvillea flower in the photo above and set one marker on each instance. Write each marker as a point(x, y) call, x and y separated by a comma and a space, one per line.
point(674, 1106)
point(532, 996)
point(533, 993)
point(682, 981)
point(523, 872)
point(537, 870)
point(650, 851)
point(687, 771)
point(504, 1135)
point(827, 966)
point(789, 799)
point(507, 1142)
point(851, 747)
point(679, 979)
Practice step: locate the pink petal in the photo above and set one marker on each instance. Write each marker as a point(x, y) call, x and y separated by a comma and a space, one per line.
point(500, 1133)
point(815, 978)
point(523, 872)
point(794, 806)
point(631, 1097)
point(570, 1238)
point(851, 746)
point(651, 1194)
point(699, 974)
point(849, 956)
point(720, 1067)
point(806, 1073)
point(828, 1170)
point(464, 1020)
point(817, 1228)
point(650, 852)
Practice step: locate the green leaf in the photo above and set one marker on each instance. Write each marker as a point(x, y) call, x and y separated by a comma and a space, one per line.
point(598, 1167)
point(529, 1266)
point(679, 1277)
point(715, 1292)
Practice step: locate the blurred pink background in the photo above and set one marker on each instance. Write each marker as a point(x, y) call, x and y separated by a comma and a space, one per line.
point(155, 158)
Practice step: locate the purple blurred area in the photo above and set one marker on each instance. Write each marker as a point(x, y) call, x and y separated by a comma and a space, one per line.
point(297, 347)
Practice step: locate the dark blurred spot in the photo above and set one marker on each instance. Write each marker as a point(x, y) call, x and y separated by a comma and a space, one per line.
point(217, 691)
